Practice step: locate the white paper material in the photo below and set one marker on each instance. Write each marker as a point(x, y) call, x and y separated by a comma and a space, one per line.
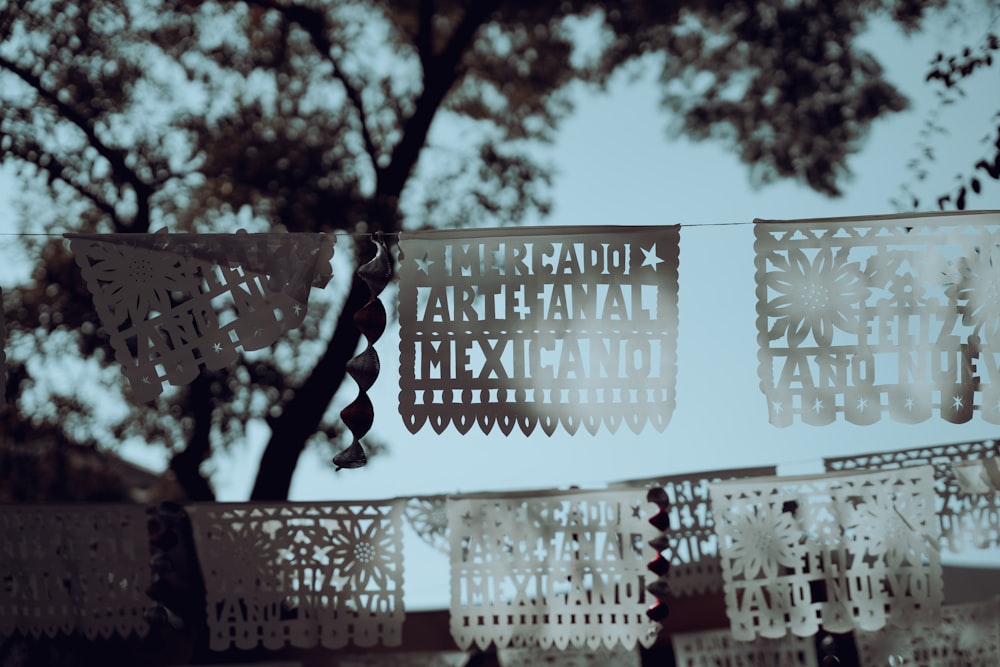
point(172, 303)
point(717, 648)
point(967, 636)
point(842, 551)
point(570, 657)
point(551, 569)
point(538, 327)
point(304, 574)
point(860, 318)
point(967, 515)
point(693, 549)
point(66, 569)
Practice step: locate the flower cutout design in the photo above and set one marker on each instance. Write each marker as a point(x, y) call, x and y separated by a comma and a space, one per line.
point(248, 552)
point(882, 527)
point(136, 281)
point(906, 291)
point(429, 518)
point(979, 288)
point(364, 554)
point(813, 296)
point(763, 540)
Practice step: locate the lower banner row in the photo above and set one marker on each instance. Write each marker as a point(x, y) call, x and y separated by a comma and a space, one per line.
point(853, 550)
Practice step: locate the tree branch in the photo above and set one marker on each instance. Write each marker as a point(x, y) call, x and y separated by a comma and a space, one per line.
point(122, 173)
point(313, 22)
point(304, 411)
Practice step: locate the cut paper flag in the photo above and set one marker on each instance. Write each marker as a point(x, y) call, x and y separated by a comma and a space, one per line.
point(842, 551)
point(967, 636)
point(693, 548)
point(717, 648)
point(894, 315)
point(172, 303)
point(538, 327)
point(571, 657)
point(979, 476)
point(551, 570)
point(73, 569)
point(304, 574)
point(428, 516)
point(967, 516)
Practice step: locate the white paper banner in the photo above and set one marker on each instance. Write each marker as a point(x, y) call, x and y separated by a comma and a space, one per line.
point(304, 574)
point(967, 517)
point(693, 548)
point(538, 327)
point(172, 303)
point(841, 551)
point(557, 569)
point(66, 569)
point(717, 648)
point(967, 636)
point(897, 315)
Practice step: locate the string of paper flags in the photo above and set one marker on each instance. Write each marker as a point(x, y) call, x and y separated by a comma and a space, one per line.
point(855, 549)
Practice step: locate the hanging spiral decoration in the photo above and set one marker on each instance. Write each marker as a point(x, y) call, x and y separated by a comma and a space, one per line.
point(364, 368)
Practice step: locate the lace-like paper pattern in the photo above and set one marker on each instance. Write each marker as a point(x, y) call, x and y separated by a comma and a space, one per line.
point(172, 303)
point(843, 551)
point(73, 569)
point(538, 327)
point(717, 648)
point(968, 636)
point(693, 547)
point(897, 315)
point(562, 569)
point(571, 657)
point(428, 516)
point(965, 518)
point(304, 574)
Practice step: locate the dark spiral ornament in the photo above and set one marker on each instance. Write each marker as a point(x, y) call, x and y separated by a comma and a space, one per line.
point(370, 320)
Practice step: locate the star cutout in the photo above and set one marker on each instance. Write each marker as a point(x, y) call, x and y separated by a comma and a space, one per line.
point(636, 511)
point(649, 257)
point(297, 308)
point(217, 347)
point(862, 404)
point(817, 406)
point(776, 406)
point(258, 331)
point(956, 402)
point(909, 404)
point(424, 264)
point(145, 379)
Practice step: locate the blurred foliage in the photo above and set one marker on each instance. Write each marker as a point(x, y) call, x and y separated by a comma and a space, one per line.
point(351, 116)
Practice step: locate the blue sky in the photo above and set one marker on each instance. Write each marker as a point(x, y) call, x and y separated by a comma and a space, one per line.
point(616, 167)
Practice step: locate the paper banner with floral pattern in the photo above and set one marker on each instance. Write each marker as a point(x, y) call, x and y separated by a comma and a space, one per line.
point(842, 551)
point(981, 476)
point(172, 303)
point(551, 569)
point(304, 574)
point(570, 657)
point(717, 648)
point(894, 315)
point(67, 569)
point(538, 327)
point(428, 516)
point(966, 518)
point(694, 553)
point(967, 636)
